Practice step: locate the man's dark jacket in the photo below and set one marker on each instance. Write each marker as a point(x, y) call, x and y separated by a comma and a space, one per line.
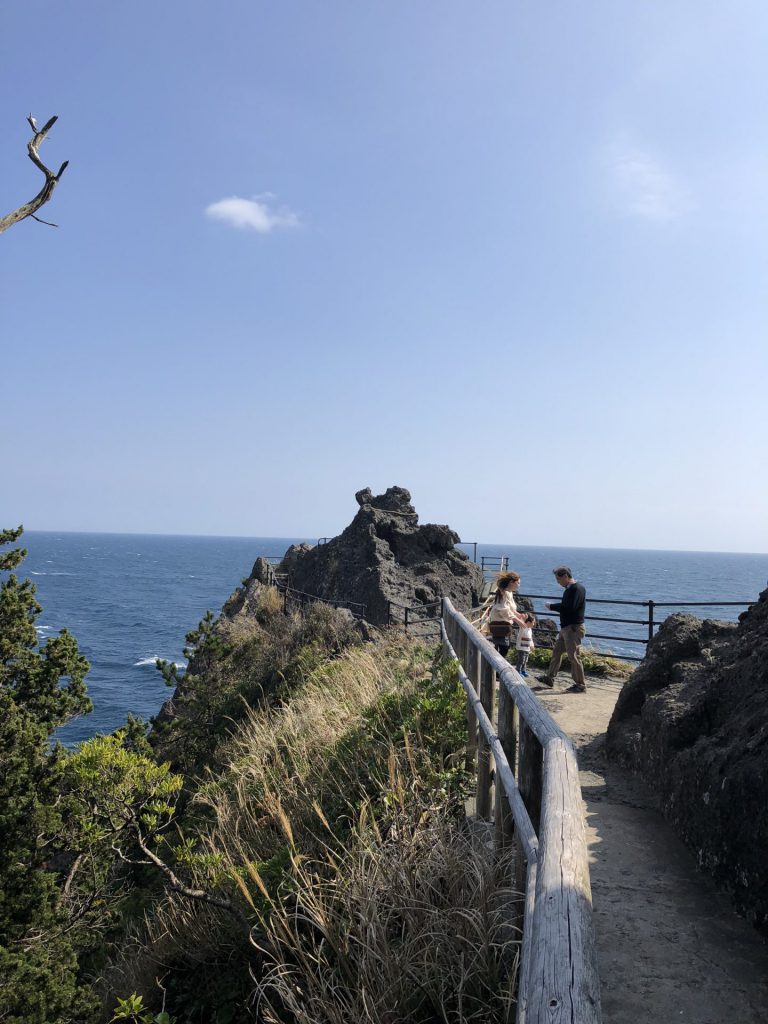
point(572, 606)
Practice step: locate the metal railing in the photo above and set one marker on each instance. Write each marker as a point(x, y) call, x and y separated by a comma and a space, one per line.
point(423, 619)
point(650, 622)
point(468, 544)
point(492, 565)
point(281, 580)
point(299, 600)
point(539, 817)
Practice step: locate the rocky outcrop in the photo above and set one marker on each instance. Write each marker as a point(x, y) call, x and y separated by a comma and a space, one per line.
point(693, 720)
point(385, 556)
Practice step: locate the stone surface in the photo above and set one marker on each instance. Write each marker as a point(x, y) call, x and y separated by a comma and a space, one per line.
point(261, 570)
point(384, 555)
point(693, 720)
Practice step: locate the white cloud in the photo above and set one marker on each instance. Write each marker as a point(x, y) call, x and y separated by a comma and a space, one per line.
point(256, 214)
point(643, 186)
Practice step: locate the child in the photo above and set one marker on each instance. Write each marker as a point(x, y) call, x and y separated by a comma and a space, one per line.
point(525, 642)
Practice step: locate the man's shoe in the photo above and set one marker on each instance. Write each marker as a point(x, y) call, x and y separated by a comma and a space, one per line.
point(576, 688)
point(546, 681)
point(524, 674)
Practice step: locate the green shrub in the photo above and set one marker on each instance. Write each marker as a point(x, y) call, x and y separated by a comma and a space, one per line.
point(594, 664)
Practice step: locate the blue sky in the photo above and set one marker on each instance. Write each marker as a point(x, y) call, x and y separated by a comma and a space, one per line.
point(509, 256)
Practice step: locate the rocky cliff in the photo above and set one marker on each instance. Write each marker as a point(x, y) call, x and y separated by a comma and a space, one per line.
point(693, 720)
point(385, 555)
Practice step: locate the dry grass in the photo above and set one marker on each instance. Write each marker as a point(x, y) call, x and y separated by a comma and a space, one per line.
point(278, 767)
point(368, 898)
point(411, 925)
point(277, 761)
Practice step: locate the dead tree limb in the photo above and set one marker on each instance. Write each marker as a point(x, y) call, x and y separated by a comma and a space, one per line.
point(51, 180)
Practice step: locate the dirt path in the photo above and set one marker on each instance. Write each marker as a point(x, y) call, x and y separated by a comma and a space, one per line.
point(670, 946)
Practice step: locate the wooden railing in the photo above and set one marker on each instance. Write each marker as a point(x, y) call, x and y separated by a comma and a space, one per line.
point(539, 814)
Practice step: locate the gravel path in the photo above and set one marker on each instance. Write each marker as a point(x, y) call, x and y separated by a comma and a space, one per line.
point(670, 946)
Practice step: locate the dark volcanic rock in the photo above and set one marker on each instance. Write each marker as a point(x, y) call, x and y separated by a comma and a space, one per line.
point(693, 720)
point(546, 630)
point(262, 570)
point(384, 555)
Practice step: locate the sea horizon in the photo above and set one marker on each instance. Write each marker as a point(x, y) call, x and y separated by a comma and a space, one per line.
point(313, 539)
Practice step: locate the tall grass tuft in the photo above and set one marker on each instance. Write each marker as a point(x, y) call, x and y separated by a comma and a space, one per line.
point(412, 925)
point(329, 813)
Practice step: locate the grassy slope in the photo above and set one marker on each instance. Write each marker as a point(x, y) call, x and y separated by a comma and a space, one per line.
point(324, 799)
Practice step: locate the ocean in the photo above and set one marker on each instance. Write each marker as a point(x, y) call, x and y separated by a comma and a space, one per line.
point(132, 598)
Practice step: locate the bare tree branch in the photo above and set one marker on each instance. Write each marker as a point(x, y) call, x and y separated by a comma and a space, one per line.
point(51, 180)
point(41, 221)
point(72, 872)
point(177, 885)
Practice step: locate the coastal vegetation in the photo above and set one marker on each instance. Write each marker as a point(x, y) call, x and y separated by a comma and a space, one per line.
point(287, 843)
point(595, 664)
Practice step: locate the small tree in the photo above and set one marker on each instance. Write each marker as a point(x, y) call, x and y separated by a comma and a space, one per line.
point(40, 689)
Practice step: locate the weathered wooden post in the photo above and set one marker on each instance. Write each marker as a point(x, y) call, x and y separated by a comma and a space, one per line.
point(507, 732)
point(468, 654)
point(531, 762)
point(484, 680)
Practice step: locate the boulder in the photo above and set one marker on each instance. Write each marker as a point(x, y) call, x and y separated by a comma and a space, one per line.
point(291, 557)
point(693, 721)
point(384, 556)
point(262, 570)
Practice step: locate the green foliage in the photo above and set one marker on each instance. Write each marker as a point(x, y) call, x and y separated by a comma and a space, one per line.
point(594, 664)
point(119, 804)
point(118, 790)
point(133, 735)
point(40, 689)
point(48, 682)
point(10, 559)
point(268, 795)
point(133, 1010)
point(228, 672)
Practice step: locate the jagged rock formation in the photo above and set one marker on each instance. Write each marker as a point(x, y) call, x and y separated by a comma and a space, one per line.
point(384, 555)
point(693, 720)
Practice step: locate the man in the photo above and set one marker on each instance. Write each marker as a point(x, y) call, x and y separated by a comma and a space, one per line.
point(571, 610)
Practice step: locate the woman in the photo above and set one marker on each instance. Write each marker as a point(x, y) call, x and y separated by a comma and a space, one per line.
point(503, 615)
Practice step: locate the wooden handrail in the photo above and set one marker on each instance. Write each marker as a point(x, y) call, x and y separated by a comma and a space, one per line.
point(559, 983)
point(503, 768)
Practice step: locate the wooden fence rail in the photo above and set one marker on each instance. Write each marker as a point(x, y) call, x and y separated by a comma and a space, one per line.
point(538, 811)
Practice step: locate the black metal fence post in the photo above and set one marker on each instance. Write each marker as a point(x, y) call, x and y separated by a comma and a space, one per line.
point(650, 620)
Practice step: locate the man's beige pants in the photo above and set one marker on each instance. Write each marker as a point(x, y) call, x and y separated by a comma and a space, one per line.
point(568, 642)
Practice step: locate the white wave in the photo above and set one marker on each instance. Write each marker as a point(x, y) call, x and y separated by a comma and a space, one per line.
point(52, 574)
point(180, 663)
